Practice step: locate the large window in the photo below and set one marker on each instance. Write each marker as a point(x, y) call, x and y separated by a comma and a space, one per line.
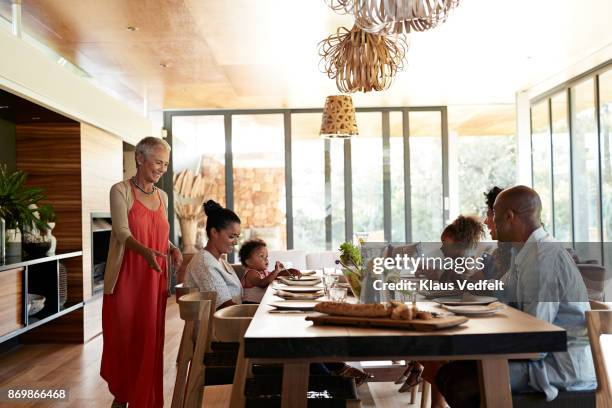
point(199, 146)
point(387, 183)
point(585, 160)
point(367, 165)
point(541, 159)
point(396, 175)
point(336, 192)
point(426, 175)
point(562, 205)
point(258, 149)
point(483, 149)
point(579, 120)
point(605, 120)
point(308, 182)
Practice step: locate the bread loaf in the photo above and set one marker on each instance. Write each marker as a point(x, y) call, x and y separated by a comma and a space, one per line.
point(357, 310)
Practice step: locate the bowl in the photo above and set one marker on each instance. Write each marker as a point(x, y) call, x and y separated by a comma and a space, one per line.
point(35, 303)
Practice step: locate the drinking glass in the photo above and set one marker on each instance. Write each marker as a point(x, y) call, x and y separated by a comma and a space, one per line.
point(337, 294)
point(329, 271)
point(328, 282)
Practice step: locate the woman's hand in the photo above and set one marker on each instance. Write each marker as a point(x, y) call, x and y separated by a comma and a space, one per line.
point(177, 257)
point(150, 256)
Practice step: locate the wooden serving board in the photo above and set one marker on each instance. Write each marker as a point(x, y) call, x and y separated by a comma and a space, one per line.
point(437, 323)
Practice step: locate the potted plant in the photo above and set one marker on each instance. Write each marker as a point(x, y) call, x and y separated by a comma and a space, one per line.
point(351, 262)
point(46, 214)
point(16, 201)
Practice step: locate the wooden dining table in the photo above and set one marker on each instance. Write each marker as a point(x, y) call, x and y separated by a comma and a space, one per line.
point(290, 340)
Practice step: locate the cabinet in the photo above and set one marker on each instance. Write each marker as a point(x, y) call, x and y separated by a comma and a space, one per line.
point(21, 277)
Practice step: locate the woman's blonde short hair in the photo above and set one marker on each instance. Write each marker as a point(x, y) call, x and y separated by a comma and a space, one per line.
point(146, 145)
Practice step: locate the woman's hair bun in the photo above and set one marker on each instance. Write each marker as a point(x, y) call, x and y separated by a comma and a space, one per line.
point(211, 206)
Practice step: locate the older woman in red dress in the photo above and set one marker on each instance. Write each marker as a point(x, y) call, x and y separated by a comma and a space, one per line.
point(135, 282)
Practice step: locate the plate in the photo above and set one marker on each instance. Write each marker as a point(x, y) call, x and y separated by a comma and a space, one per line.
point(301, 282)
point(432, 294)
point(298, 296)
point(301, 278)
point(293, 305)
point(475, 310)
point(465, 300)
point(298, 289)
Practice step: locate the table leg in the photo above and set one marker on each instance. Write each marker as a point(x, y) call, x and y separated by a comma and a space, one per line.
point(494, 383)
point(295, 385)
point(240, 375)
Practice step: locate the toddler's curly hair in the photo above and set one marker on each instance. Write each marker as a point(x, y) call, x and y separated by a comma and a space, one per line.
point(466, 230)
point(248, 247)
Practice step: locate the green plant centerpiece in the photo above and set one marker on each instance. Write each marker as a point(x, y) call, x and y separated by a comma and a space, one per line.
point(19, 205)
point(351, 262)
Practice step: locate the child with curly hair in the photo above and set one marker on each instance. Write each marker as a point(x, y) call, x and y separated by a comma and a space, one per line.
point(254, 257)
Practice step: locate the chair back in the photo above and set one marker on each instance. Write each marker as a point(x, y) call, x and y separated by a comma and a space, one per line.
point(232, 322)
point(600, 322)
point(239, 269)
point(182, 289)
point(597, 305)
point(594, 277)
point(196, 309)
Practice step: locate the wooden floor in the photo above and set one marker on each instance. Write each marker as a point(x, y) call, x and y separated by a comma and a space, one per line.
point(77, 367)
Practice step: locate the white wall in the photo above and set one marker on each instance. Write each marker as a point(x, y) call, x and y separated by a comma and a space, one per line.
point(30, 74)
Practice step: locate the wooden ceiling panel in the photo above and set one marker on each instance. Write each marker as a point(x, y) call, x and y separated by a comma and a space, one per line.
point(257, 80)
point(256, 54)
point(199, 95)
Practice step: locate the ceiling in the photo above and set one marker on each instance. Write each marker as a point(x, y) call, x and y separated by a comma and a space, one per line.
point(263, 54)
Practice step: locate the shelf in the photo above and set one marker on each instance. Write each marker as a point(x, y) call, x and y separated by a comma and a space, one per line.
point(42, 276)
point(40, 322)
point(12, 262)
point(102, 230)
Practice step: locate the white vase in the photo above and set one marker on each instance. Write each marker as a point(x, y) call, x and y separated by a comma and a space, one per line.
point(13, 242)
point(50, 237)
point(188, 233)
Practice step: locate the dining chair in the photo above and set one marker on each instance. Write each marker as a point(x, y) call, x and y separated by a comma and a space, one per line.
point(597, 305)
point(425, 395)
point(595, 277)
point(200, 363)
point(425, 388)
point(180, 290)
point(599, 322)
point(193, 308)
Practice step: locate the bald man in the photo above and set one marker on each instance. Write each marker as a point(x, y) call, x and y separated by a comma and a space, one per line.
point(543, 281)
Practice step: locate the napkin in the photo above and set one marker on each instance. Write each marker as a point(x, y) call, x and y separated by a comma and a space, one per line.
point(301, 296)
point(305, 282)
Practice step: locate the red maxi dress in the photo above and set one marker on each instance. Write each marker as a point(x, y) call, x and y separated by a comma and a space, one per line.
point(133, 317)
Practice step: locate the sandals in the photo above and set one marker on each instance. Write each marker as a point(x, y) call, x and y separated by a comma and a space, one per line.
point(351, 372)
point(411, 376)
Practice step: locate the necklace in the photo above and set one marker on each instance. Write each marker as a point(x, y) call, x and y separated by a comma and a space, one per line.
point(133, 180)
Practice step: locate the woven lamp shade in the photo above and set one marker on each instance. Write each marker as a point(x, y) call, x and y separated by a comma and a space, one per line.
point(338, 117)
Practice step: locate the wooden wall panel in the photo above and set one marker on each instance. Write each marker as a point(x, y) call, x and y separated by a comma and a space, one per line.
point(11, 300)
point(65, 329)
point(102, 166)
point(74, 266)
point(51, 155)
